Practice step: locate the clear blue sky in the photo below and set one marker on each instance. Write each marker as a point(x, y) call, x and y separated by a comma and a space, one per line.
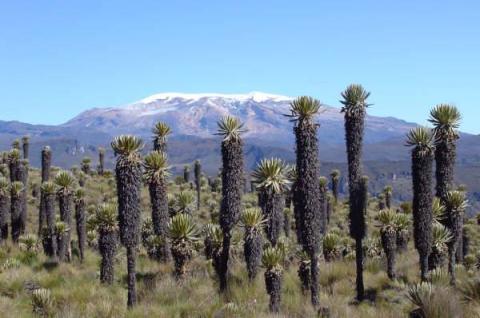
point(58, 58)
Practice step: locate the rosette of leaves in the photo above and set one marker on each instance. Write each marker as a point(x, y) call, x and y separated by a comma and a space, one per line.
point(331, 250)
point(184, 202)
point(183, 235)
point(43, 302)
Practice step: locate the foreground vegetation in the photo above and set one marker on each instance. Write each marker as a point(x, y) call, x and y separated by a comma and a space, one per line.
point(75, 289)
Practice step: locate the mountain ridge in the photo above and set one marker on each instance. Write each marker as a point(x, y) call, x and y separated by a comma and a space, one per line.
point(197, 115)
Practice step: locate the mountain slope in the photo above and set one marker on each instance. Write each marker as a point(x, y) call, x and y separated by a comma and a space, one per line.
point(197, 115)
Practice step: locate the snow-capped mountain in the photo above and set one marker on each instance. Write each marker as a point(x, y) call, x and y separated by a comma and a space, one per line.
point(197, 115)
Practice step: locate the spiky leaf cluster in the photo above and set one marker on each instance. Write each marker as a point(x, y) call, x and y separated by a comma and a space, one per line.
point(446, 121)
point(252, 218)
point(161, 130)
point(373, 247)
point(302, 256)
point(16, 144)
point(283, 244)
point(354, 99)
point(160, 133)
point(16, 188)
point(14, 155)
point(28, 242)
point(439, 276)
point(456, 202)
point(420, 293)
point(386, 219)
point(331, 242)
point(128, 148)
point(323, 182)
point(304, 108)
point(42, 302)
point(230, 128)
point(106, 217)
point(335, 174)
point(272, 258)
point(335, 177)
point(441, 236)
point(422, 139)
point(154, 243)
point(214, 233)
point(184, 202)
point(271, 174)
point(156, 166)
point(402, 222)
point(49, 188)
point(388, 190)
point(61, 228)
point(65, 181)
point(182, 228)
point(79, 194)
point(147, 229)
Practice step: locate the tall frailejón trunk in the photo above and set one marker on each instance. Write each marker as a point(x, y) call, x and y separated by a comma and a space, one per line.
point(46, 165)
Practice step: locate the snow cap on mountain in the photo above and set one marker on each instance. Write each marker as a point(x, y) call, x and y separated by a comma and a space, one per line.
point(254, 96)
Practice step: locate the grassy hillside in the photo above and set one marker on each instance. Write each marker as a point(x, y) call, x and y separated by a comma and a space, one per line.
point(75, 289)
